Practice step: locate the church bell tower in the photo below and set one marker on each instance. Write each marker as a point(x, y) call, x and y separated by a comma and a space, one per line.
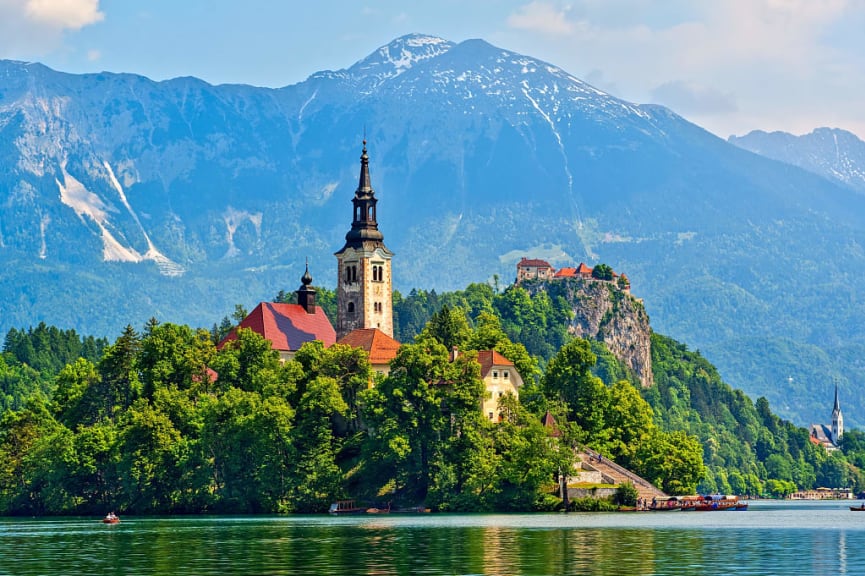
point(364, 284)
point(837, 420)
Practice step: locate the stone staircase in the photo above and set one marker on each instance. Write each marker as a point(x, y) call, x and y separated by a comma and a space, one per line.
point(612, 473)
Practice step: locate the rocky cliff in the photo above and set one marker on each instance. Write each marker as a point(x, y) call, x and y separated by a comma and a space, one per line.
point(606, 313)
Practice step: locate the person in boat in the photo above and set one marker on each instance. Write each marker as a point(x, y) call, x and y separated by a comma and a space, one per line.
point(111, 516)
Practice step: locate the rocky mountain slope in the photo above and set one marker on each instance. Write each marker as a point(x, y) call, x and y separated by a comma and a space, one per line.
point(835, 154)
point(122, 198)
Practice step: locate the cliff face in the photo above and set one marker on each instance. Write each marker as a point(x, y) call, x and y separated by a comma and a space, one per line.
point(604, 312)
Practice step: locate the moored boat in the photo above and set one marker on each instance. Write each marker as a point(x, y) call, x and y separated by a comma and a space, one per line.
point(346, 507)
point(717, 502)
point(857, 508)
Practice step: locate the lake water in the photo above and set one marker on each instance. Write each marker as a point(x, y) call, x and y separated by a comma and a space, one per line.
point(770, 538)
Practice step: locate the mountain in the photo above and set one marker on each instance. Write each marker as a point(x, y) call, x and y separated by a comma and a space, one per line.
point(835, 154)
point(122, 198)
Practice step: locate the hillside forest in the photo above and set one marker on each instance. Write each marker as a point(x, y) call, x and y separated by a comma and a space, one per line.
point(162, 421)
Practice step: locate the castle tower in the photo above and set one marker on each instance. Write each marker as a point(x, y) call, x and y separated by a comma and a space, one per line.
point(837, 420)
point(364, 282)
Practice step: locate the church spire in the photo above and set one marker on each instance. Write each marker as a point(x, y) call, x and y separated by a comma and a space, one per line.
point(364, 226)
point(364, 188)
point(837, 420)
point(837, 407)
point(364, 286)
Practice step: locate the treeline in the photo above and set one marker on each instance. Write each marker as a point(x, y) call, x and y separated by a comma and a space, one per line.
point(163, 421)
point(32, 358)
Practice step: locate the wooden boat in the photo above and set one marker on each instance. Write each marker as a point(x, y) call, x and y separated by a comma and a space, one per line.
point(857, 508)
point(671, 504)
point(346, 507)
point(111, 519)
point(717, 502)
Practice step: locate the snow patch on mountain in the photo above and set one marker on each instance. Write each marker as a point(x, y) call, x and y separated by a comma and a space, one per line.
point(233, 218)
point(166, 266)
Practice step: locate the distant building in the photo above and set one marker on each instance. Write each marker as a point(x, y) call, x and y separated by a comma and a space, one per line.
point(382, 349)
point(534, 270)
point(289, 326)
point(829, 436)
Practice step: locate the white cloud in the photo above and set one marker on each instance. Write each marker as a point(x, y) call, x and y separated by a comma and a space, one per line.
point(784, 60)
point(33, 28)
point(542, 17)
point(63, 14)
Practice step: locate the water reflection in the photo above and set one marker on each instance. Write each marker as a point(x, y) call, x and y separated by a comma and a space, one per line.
point(778, 539)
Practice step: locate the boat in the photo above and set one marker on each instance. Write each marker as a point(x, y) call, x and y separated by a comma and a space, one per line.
point(857, 508)
point(671, 504)
point(111, 518)
point(718, 502)
point(346, 507)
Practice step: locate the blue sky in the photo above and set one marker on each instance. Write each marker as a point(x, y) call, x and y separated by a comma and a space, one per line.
point(727, 65)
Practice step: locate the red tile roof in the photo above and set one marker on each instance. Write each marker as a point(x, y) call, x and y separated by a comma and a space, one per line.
point(566, 273)
point(525, 263)
point(287, 326)
point(550, 424)
point(583, 269)
point(489, 358)
point(381, 347)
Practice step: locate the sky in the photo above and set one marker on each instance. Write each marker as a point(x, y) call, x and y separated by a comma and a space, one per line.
point(731, 66)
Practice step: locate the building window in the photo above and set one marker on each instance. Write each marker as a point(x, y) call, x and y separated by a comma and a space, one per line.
point(491, 415)
point(495, 374)
point(506, 375)
point(377, 273)
point(501, 394)
point(350, 274)
point(351, 307)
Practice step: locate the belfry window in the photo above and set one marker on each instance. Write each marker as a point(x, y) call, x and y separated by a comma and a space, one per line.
point(350, 274)
point(351, 307)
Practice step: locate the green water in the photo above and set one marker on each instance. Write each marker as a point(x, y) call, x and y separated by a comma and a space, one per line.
point(770, 538)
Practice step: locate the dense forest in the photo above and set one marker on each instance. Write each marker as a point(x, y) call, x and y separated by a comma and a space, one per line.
point(163, 421)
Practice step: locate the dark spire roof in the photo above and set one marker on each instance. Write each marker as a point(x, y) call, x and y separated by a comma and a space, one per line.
point(306, 279)
point(306, 293)
point(837, 407)
point(364, 227)
point(364, 188)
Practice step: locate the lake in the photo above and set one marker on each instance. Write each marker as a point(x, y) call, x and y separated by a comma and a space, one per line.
point(770, 538)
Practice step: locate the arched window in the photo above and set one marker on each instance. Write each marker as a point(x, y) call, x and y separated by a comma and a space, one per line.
point(351, 307)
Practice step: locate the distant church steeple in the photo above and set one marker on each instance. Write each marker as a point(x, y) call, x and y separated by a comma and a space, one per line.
point(837, 420)
point(364, 283)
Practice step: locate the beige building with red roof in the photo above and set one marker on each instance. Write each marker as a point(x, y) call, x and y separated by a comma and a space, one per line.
point(499, 376)
point(289, 326)
point(380, 347)
point(534, 269)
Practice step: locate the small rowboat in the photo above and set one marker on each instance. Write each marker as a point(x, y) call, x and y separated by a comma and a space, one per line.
point(857, 508)
point(111, 519)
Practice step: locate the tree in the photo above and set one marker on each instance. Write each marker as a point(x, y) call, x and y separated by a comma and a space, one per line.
point(449, 326)
point(406, 420)
point(569, 378)
point(602, 272)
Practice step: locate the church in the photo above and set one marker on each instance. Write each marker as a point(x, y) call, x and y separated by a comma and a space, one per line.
point(364, 317)
point(826, 436)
